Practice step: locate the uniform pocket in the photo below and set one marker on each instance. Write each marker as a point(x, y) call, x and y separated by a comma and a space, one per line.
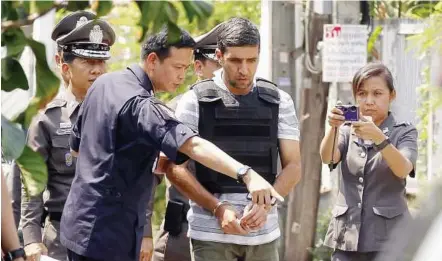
point(339, 220)
point(385, 220)
point(60, 155)
point(61, 141)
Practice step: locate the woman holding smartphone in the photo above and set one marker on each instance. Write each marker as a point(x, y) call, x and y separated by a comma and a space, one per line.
point(376, 154)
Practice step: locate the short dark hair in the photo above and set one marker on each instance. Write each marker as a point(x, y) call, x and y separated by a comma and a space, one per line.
point(157, 43)
point(68, 57)
point(199, 57)
point(238, 32)
point(373, 69)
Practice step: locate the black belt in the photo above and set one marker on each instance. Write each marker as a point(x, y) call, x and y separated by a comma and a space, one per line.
point(55, 216)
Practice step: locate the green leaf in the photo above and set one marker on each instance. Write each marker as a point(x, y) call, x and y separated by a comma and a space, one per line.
point(77, 5)
point(13, 75)
point(373, 38)
point(190, 10)
point(42, 6)
point(13, 140)
point(25, 117)
point(104, 7)
point(172, 12)
point(151, 11)
point(198, 9)
point(152, 16)
point(438, 7)
point(206, 8)
point(47, 82)
point(34, 171)
point(173, 32)
point(6, 6)
point(9, 12)
point(15, 41)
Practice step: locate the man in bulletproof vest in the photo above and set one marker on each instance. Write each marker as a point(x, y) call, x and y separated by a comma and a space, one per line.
point(174, 244)
point(252, 120)
point(82, 50)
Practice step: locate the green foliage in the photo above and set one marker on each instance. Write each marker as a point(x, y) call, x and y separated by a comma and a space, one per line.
point(373, 38)
point(15, 142)
point(159, 206)
point(427, 43)
point(384, 9)
point(126, 49)
point(34, 171)
point(103, 7)
point(319, 251)
point(13, 75)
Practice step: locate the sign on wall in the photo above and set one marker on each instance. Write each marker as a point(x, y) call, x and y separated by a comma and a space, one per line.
point(344, 51)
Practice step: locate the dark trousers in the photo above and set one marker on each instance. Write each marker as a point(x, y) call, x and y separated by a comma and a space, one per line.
point(339, 255)
point(75, 257)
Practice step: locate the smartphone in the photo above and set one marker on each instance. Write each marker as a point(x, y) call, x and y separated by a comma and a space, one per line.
point(351, 112)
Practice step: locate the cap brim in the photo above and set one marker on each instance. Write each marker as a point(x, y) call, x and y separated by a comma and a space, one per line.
point(209, 38)
point(211, 56)
point(90, 54)
point(88, 50)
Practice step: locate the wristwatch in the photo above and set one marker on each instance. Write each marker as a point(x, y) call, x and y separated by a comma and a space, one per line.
point(14, 254)
point(382, 145)
point(241, 173)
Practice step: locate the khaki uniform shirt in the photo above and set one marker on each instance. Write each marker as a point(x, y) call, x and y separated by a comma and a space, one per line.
point(49, 135)
point(371, 199)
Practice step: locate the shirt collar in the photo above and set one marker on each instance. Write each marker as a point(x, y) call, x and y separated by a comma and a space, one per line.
point(388, 124)
point(71, 102)
point(218, 80)
point(142, 77)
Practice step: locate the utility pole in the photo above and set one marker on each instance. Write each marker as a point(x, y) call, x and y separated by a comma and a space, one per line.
point(277, 61)
point(303, 202)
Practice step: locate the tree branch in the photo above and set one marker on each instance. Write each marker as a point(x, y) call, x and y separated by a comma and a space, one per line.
point(29, 20)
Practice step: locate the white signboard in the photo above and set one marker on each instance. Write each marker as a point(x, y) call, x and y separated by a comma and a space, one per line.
point(345, 51)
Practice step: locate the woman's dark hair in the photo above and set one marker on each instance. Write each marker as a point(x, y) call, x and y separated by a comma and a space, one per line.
point(372, 70)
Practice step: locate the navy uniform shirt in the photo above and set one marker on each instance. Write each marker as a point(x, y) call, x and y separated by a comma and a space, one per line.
point(120, 130)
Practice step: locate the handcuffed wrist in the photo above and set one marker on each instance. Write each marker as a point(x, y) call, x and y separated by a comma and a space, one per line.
point(218, 205)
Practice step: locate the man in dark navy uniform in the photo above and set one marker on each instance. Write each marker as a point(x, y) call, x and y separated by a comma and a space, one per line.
point(121, 129)
point(173, 244)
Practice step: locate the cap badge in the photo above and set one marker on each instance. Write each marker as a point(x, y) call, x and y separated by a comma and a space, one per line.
point(96, 34)
point(83, 20)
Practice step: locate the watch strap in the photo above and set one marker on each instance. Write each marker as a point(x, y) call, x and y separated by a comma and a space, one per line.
point(242, 172)
point(14, 254)
point(382, 145)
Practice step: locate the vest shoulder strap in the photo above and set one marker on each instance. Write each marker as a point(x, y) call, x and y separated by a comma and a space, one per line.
point(206, 91)
point(268, 91)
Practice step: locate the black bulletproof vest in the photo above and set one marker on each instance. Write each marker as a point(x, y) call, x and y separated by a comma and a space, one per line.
point(244, 126)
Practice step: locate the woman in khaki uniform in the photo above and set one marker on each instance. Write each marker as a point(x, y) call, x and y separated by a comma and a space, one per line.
point(376, 154)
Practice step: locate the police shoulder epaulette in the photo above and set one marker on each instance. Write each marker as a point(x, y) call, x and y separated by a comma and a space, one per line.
point(402, 123)
point(56, 103)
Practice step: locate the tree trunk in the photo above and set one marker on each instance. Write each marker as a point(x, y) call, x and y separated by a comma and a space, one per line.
point(303, 202)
